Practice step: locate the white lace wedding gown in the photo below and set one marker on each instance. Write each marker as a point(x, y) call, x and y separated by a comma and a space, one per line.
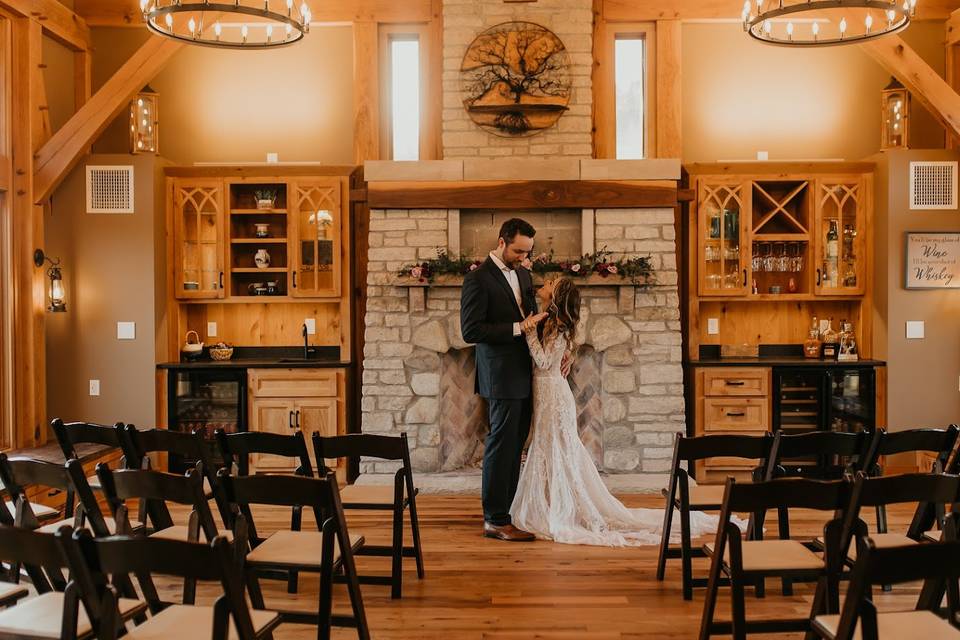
point(561, 496)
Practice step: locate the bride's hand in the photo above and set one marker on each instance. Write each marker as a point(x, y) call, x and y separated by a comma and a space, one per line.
point(530, 322)
point(566, 364)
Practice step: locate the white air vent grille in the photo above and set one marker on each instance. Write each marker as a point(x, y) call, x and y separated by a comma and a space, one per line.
point(110, 189)
point(933, 185)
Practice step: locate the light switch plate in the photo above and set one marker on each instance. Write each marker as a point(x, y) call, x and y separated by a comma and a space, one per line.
point(713, 326)
point(272, 158)
point(914, 329)
point(94, 387)
point(126, 331)
point(212, 329)
point(311, 325)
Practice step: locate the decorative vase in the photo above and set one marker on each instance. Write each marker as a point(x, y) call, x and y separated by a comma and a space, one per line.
point(263, 229)
point(262, 259)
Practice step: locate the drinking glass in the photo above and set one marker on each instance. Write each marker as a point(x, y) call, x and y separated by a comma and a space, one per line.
point(756, 263)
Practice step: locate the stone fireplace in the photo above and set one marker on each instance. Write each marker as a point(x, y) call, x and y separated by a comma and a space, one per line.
point(419, 373)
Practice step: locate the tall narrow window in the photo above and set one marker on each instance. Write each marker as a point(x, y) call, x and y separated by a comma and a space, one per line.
point(405, 97)
point(631, 96)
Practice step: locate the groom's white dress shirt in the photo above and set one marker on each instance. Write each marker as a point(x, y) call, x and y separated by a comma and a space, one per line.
point(514, 282)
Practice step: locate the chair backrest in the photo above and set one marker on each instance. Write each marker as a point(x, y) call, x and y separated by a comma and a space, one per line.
point(125, 555)
point(908, 487)
point(361, 444)
point(939, 441)
point(45, 556)
point(855, 450)
point(893, 565)
point(19, 472)
point(237, 447)
point(69, 434)
point(695, 448)
point(799, 493)
point(158, 488)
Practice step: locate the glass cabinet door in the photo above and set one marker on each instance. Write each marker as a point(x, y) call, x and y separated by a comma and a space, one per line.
point(198, 237)
point(316, 223)
point(723, 259)
point(840, 254)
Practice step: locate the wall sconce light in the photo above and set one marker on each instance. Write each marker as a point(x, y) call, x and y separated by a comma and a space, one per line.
point(145, 122)
point(55, 291)
point(895, 116)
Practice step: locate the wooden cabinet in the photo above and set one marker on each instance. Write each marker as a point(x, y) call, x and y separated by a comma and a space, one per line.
point(316, 223)
point(287, 400)
point(723, 237)
point(198, 221)
point(840, 249)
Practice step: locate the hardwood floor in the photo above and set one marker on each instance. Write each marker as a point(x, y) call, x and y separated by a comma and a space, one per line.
point(477, 588)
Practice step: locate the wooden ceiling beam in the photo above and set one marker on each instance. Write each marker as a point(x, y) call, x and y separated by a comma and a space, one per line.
point(126, 13)
point(57, 21)
point(62, 151)
point(635, 10)
point(924, 84)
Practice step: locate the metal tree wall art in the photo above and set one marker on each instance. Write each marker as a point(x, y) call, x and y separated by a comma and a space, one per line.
point(515, 79)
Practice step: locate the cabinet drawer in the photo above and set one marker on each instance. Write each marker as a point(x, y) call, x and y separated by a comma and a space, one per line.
point(735, 381)
point(292, 383)
point(732, 415)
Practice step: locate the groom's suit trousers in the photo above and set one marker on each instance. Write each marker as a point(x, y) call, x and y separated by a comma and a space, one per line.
point(509, 428)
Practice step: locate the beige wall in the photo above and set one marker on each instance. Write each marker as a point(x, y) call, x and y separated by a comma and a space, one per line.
point(111, 266)
point(740, 97)
point(236, 106)
point(58, 81)
point(922, 374)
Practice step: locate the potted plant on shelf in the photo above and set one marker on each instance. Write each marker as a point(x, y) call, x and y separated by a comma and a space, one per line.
point(265, 198)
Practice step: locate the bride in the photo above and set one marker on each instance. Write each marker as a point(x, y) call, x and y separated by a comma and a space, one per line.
point(561, 496)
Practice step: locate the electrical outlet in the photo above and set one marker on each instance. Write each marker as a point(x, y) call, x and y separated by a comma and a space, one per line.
point(311, 325)
point(212, 329)
point(94, 387)
point(126, 331)
point(713, 326)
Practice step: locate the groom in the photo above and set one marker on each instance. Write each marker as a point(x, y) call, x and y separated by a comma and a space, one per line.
point(496, 302)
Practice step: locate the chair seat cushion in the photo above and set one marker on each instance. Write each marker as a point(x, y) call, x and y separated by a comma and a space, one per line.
point(179, 532)
point(94, 482)
point(42, 511)
point(111, 525)
point(10, 592)
point(186, 623)
point(40, 617)
point(367, 494)
point(882, 540)
point(895, 625)
point(702, 495)
point(295, 549)
point(774, 555)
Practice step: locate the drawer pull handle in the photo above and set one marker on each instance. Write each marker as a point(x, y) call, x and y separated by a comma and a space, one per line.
point(735, 414)
point(735, 383)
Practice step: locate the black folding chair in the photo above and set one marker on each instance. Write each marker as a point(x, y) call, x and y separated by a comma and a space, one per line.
point(236, 449)
point(229, 617)
point(685, 498)
point(396, 498)
point(70, 434)
point(749, 562)
point(876, 565)
point(327, 551)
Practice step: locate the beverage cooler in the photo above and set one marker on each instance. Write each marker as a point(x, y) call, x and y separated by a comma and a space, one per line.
point(205, 400)
point(835, 398)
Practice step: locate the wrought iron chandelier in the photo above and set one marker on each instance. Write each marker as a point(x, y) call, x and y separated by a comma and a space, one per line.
point(820, 23)
point(241, 24)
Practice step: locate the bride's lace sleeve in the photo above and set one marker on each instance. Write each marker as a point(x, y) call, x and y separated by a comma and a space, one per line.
point(545, 357)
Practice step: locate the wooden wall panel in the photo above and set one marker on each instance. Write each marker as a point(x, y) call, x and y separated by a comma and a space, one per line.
point(266, 324)
point(366, 90)
point(668, 70)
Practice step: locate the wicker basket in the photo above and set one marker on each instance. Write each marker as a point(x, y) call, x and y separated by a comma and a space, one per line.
point(221, 354)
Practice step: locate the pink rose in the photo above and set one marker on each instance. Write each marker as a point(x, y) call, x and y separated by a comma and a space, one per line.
point(526, 264)
point(416, 272)
point(474, 266)
point(575, 268)
point(611, 268)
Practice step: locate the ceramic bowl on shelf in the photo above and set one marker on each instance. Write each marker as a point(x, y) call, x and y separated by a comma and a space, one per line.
point(262, 229)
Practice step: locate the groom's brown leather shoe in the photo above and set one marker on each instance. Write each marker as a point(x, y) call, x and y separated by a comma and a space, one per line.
point(507, 532)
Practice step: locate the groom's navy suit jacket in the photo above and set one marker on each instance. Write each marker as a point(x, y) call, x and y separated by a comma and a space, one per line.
point(488, 310)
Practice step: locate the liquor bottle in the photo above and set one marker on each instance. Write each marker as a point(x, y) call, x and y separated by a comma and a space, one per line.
point(811, 346)
point(832, 267)
point(848, 343)
point(831, 342)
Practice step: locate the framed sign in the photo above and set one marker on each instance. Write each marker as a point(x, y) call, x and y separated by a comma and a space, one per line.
point(932, 260)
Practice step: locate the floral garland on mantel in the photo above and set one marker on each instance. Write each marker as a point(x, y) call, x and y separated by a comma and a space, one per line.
point(637, 270)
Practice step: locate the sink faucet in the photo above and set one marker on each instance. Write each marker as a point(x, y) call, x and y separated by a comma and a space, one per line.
point(306, 348)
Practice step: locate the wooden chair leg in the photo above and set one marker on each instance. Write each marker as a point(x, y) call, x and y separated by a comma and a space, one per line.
point(415, 534)
point(686, 555)
point(713, 585)
point(396, 569)
point(325, 609)
point(783, 516)
point(665, 538)
point(738, 608)
point(881, 518)
point(296, 519)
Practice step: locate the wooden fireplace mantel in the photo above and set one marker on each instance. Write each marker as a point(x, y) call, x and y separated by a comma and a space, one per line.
point(522, 194)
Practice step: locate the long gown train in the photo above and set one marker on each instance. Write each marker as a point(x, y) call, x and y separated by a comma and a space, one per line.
point(561, 496)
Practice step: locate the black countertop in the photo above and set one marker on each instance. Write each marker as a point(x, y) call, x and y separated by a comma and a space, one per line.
point(266, 358)
point(781, 361)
